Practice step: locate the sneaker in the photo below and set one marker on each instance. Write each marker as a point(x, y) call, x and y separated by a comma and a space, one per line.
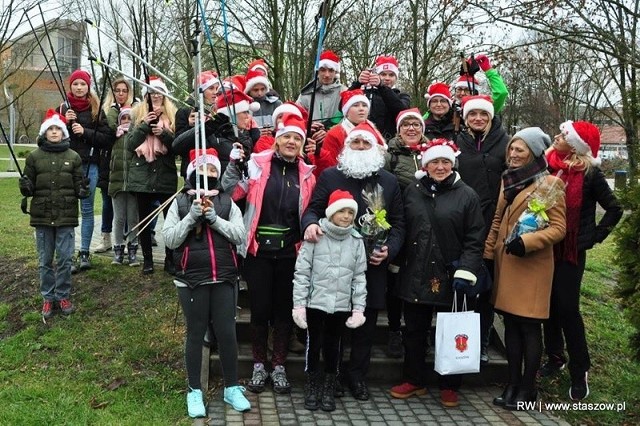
point(279, 380)
point(66, 306)
point(84, 261)
point(449, 398)
point(258, 379)
point(395, 348)
point(579, 389)
point(195, 404)
point(234, 395)
point(554, 364)
point(47, 309)
point(406, 390)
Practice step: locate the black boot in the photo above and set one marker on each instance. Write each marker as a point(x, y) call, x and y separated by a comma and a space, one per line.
point(147, 264)
point(84, 260)
point(328, 402)
point(312, 391)
point(118, 254)
point(507, 396)
point(523, 400)
point(132, 254)
point(338, 391)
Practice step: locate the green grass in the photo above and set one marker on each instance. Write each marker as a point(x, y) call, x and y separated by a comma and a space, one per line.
point(614, 376)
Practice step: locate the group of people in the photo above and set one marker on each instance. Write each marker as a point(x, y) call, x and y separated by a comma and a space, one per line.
point(380, 206)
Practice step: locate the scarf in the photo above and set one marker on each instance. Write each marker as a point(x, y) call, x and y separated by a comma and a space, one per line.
point(334, 231)
point(152, 145)
point(434, 186)
point(567, 249)
point(61, 146)
point(122, 129)
point(516, 179)
point(78, 104)
point(203, 193)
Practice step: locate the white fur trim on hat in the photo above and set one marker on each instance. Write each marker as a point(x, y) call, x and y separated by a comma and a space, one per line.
point(328, 63)
point(352, 100)
point(438, 151)
point(257, 80)
point(204, 159)
point(358, 133)
point(573, 138)
point(286, 129)
point(340, 204)
point(212, 81)
point(292, 109)
point(156, 84)
point(388, 66)
point(477, 103)
point(54, 120)
point(408, 114)
point(242, 106)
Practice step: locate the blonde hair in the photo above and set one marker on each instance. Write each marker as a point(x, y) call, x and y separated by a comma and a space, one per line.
point(110, 98)
point(275, 145)
point(142, 109)
point(579, 162)
point(486, 130)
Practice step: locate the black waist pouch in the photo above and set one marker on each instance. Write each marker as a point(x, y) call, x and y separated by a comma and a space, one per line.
point(272, 237)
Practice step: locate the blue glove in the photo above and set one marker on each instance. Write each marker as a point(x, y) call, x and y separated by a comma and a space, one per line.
point(210, 214)
point(196, 210)
point(461, 285)
point(516, 247)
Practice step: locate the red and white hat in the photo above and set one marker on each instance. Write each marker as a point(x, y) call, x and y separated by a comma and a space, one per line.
point(210, 156)
point(387, 63)
point(292, 108)
point(330, 60)
point(53, 118)
point(436, 148)
point(258, 64)
point(156, 83)
point(80, 75)
point(409, 113)
point(234, 102)
point(254, 77)
point(338, 200)
point(584, 137)
point(235, 82)
point(207, 79)
point(349, 97)
point(291, 123)
point(366, 131)
point(481, 102)
point(438, 89)
point(464, 81)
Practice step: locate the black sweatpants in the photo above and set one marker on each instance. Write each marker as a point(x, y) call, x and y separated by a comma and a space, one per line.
point(215, 303)
point(324, 333)
point(565, 318)
point(146, 204)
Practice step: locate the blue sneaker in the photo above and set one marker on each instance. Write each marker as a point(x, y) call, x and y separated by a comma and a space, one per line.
point(195, 404)
point(234, 395)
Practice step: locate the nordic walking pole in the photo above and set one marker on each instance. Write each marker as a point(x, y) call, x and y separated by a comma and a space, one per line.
point(323, 21)
point(13, 155)
point(154, 213)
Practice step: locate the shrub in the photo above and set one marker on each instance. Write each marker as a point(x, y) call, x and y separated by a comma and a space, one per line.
point(608, 167)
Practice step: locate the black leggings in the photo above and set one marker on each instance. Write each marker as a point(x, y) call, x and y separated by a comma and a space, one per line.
point(215, 303)
point(523, 341)
point(324, 333)
point(146, 204)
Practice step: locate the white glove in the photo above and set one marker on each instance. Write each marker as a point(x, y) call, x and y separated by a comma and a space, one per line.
point(299, 315)
point(356, 319)
point(235, 154)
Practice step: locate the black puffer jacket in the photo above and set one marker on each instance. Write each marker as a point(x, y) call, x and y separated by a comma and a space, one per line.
point(443, 128)
point(425, 273)
point(332, 179)
point(595, 189)
point(481, 164)
point(386, 104)
point(97, 134)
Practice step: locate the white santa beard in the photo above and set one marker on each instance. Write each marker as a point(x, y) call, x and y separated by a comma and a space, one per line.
point(360, 164)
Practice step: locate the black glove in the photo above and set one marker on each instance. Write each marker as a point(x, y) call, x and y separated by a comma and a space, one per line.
point(516, 247)
point(461, 285)
point(213, 126)
point(226, 131)
point(490, 266)
point(26, 186)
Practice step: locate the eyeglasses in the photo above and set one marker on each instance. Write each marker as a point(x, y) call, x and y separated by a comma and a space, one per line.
point(414, 125)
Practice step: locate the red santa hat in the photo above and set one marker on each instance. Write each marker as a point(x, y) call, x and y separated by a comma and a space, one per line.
point(292, 108)
point(254, 77)
point(53, 118)
point(234, 102)
point(330, 60)
point(291, 123)
point(387, 63)
point(349, 97)
point(338, 200)
point(366, 131)
point(207, 79)
point(210, 156)
point(438, 89)
point(235, 82)
point(258, 64)
point(464, 81)
point(409, 113)
point(80, 75)
point(481, 102)
point(156, 83)
point(436, 148)
point(584, 137)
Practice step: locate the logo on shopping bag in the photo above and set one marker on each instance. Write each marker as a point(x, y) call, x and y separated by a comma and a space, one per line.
point(461, 342)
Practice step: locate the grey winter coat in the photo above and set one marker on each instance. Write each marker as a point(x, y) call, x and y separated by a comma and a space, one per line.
point(326, 107)
point(330, 274)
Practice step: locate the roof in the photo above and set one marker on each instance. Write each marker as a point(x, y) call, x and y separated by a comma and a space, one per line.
point(612, 135)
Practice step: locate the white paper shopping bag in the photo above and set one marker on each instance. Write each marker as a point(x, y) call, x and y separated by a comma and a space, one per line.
point(457, 342)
